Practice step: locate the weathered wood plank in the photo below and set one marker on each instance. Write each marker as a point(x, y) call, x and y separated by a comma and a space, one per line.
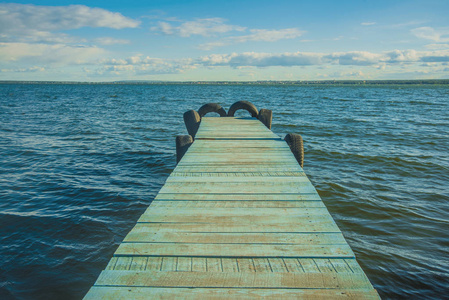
point(214, 264)
point(277, 265)
point(154, 263)
point(238, 168)
point(184, 264)
point(309, 265)
point(236, 135)
point(313, 196)
point(325, 266)
point(143, 233)
point(199, 264)
point(235, 204)
point(248, 180)
point(123, 263)
point(111, 264)
point(245, 264)
point(226, 212)
point(293, 265)
point(275, 147)
point(208, 160)
point(229, 265)
point(240, 150)
point(230, 250)
point(353, 264)
point(257, 144)
point(233, 280)
point(226, 264)
point(262, 265)
point(238, 217)
point(138, 263)
point(239, 188)
point(251, 126)
point(238, 174)
point(341, 266)
point(143, 293)
point(296, 227)
point(168, 263)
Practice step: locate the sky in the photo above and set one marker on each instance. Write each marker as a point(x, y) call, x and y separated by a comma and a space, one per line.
point(224, 40)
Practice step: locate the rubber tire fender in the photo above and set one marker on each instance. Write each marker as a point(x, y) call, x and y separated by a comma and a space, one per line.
point(246, 105)
point(296, 145)
point(265, 116)
point(211, 107)
point(192, 121)
point(183, 142)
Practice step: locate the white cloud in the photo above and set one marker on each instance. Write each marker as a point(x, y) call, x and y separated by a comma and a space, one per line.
point(29, 34)
point(269, 35)
point(110, 41)
point(212, 45)
point(15, 55)
point(48, 54)
point(435, 58)
point(37, 24)
point(396, 56)
point(203, 27)
point(352, 58)
point(359, 58)
point(42, 37)
point(432, 34)
point(437, 46)
point(144, 65)
point(25, 70)
point(215, 26)
point(257, 35)
point(22, 17)
point(344, 75)
point(368, 23)
point(165, 28)
point(262, 59)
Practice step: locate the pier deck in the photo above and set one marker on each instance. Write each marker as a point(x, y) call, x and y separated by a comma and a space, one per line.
point(237, 218)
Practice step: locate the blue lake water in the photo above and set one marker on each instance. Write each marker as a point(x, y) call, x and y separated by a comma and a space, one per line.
point(80, 163)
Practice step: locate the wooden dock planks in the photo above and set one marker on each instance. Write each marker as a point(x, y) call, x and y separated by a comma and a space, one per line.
point(237, 218)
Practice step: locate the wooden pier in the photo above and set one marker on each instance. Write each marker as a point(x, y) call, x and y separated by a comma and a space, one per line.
point(237, 218)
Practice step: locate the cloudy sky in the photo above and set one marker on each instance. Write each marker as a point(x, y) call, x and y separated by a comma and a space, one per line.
point(224, 40)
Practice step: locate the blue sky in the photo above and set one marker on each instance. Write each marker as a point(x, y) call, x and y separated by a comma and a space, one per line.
point(224, 40)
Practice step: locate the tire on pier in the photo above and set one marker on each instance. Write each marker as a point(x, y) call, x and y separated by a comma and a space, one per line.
point(265, 116)
point(183, 142)
point(246, 105)
point(296, 145)
point(192, 121)
point(211, 107)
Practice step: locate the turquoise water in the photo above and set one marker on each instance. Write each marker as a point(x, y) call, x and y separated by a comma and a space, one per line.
point(80, 163)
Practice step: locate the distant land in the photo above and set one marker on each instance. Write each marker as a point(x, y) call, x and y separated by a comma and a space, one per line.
point(263, 82)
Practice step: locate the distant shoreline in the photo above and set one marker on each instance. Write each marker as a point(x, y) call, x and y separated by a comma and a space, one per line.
point(268, 82)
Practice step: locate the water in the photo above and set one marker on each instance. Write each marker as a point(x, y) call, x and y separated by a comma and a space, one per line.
point(80, 163)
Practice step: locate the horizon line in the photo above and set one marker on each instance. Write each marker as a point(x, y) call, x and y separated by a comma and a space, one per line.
point(323, 81)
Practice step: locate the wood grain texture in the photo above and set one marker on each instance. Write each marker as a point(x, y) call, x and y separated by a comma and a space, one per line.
point(237, 218)
point(238, 188)
point(233, 250)
point(236, 204)
point(312, 225)
point(313, 196)
point(143, 293)
point(145, 233)
point(232, 280)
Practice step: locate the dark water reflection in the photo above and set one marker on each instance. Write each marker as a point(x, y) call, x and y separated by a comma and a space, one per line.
point(80, 163)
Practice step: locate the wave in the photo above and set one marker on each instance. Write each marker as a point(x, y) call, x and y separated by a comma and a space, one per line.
point(77, 172)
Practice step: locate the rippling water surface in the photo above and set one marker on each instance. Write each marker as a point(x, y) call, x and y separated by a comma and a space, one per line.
point(80, 163)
